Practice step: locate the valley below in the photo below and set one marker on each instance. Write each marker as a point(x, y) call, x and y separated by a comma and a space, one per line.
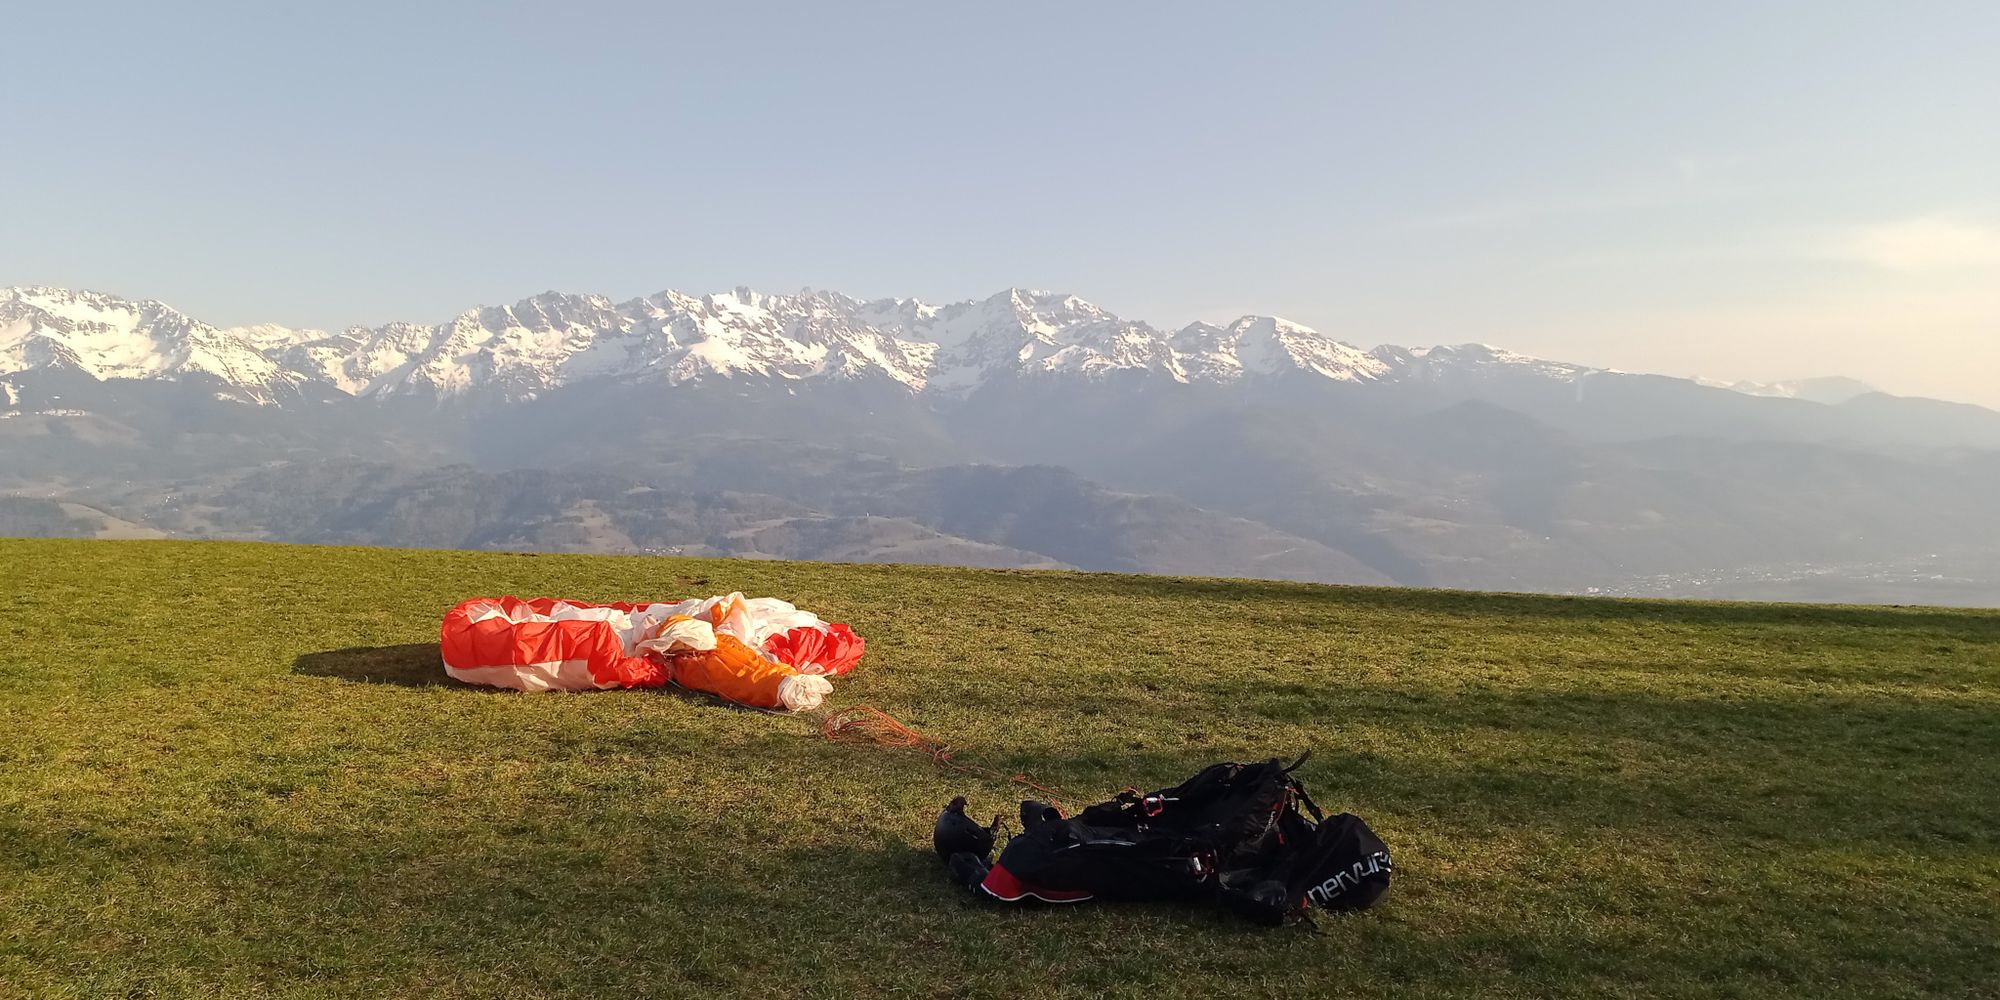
point(1029, 430)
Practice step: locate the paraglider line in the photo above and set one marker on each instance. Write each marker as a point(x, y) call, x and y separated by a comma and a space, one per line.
point(868, 724)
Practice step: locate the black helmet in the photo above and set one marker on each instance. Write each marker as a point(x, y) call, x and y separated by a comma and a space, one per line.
point(956, 833)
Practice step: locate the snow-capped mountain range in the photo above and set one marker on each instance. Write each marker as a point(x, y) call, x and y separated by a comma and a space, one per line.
point(555, 339)
point(1831, 390)
point(1023, 429)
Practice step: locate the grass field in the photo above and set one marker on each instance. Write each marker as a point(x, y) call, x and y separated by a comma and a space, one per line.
point(235, 770)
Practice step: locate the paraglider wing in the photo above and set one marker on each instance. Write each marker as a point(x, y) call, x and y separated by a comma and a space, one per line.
point(759, 652)
point(830, 650)
point(510, 643)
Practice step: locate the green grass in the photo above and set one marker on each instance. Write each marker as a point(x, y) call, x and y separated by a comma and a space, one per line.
point(234, 770)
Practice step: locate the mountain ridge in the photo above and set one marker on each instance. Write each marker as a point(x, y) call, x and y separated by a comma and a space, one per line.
point(1025, 428)
point(553, 339)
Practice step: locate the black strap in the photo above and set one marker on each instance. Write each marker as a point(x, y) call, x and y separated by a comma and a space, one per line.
point(1299, 789)
point(1302, 759)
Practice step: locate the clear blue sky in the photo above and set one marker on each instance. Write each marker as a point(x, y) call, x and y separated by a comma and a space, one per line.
point(1740, 190)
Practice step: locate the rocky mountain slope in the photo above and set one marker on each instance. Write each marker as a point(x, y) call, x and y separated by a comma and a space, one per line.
point(1024, 429)
point(554, 339)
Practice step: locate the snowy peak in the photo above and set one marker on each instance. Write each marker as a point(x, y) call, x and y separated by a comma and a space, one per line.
point(1008, 319)
point(1831, 390)
point(1041, 315)
point(100, 334)
point(555, 339)
point(269, 337)
point(108, 337)
point(1268, 345)
point(516, 351)
point(744, 333)
point(1473, 361)
point(1102, 348)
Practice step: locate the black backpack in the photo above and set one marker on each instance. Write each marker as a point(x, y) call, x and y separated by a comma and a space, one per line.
point(1233, 833)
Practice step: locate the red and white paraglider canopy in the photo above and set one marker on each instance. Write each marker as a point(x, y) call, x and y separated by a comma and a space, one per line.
point(760, 651)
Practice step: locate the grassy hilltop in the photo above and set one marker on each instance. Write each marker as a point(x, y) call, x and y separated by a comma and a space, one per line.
point(231, 769)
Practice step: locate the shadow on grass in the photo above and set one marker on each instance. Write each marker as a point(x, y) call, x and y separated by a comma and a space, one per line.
point(1847, 772)
point(437, 897)
point(872, 913)
point(916, 872)
point(412, 665)
point(418, 665)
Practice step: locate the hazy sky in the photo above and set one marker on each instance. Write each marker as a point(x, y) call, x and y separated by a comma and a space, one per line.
point(1739, 190)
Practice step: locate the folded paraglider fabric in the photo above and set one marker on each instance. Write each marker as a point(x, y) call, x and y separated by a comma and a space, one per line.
point(760, 652)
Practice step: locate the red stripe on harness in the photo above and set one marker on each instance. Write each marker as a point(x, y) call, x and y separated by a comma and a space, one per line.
point(1003, 886)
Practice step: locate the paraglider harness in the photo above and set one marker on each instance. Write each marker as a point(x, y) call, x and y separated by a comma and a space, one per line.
point(1233, 834)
